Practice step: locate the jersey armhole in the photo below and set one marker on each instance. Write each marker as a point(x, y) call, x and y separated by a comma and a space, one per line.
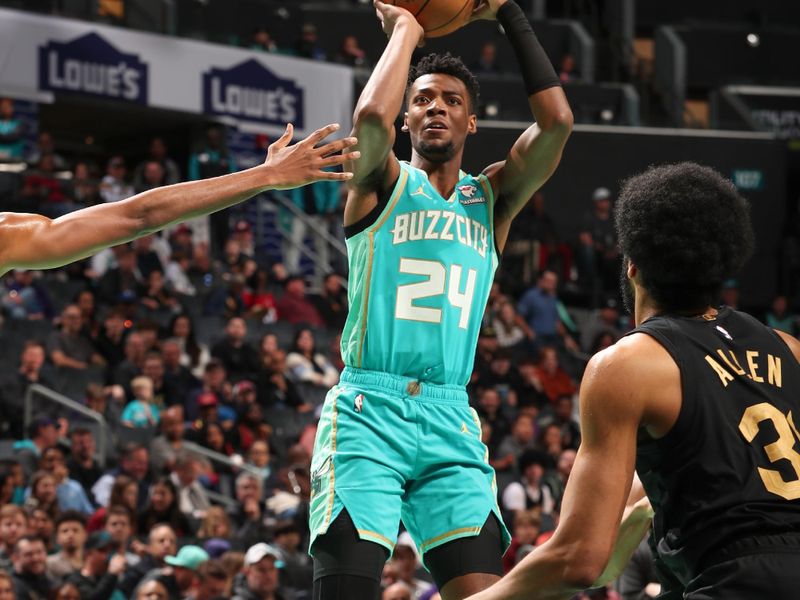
point(368, 220)
point(489, 193)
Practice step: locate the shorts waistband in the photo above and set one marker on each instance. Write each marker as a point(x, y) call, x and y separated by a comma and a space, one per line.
point(757, 544)
point(406, 386)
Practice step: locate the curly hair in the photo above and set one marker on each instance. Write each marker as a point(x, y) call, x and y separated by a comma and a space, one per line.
point(687, 229)
point(448, 65)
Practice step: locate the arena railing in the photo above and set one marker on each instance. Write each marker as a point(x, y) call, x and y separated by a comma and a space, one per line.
point(37, 390)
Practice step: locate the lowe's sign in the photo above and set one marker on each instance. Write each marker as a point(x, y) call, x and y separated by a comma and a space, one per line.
point(251, 92)
point(91, 65)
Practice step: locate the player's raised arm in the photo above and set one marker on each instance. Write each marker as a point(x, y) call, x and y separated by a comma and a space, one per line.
point(536, 154)
point(36, 242)
point(377, 108)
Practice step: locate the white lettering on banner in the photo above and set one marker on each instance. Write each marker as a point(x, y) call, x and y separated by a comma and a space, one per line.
point(94, 78)
point(237, 100)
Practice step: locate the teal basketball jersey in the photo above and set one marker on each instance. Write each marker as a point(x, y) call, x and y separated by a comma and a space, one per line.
point(419, 280)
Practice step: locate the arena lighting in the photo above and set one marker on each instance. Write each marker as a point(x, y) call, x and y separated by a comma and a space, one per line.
point(753, 40)
point(492, 109)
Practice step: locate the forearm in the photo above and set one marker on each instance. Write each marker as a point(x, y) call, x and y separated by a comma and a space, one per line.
point(384, 92)
point(160, 207)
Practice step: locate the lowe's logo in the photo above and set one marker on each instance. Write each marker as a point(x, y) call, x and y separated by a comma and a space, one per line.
point(251, 92)
point(90, 65)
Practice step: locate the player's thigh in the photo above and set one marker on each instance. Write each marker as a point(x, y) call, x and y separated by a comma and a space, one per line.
point(453, 489)
point(360, 457)
point(754, 577)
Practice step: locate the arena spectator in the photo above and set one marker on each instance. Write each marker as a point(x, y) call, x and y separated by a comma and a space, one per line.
point(598, 257)
point(527, 527)
point(331, 302)
point(298, 569)
point(158, 155)
point(45, 146)
point(13, 387)
point(780, 317)
point(215, 525)
point(30, 577)
point(67, 591)
point(120, 526)
point(215, 384)
point(258, 299)
point(251, 426)
point(307, 45)
point(192, 498)
point(246, 515)
point(42, 524)
point(521, 439)
point(163, 507)
point(101, 571)
point(490, 409)
point(122, 282)
point(70, 537)
point(605, 319)
point(152, 176)
point(113, 186)
point(161, 542)
point(487, 63)
point(306, 365)
point(110, 340)
point(562, 417)
point(180, 574)
point(532, 490)
point(511, 329)
point(165, 447)
point(194, 355)
point(530, 392)
point(43, 434)
point(397, 591)
point(261, 581)
point(213, 582)
point(141, 411)
point(6, 586)
point(262, 40)
point(84, 188)
point(539, 307)
point(69, 493)
point(44, 191)
point(152, 590)
point(176, 274)
point(13, 525)
point(351, 54)
point(567, 70)
point(134, 464)
point(236, 354)
point(25, 298)
point(406, 563)
point(554, 379)
point(294, 307)
point(70, 348)
point(12, 132)
point(275, 388)
point(124, 492)
point(131, 366)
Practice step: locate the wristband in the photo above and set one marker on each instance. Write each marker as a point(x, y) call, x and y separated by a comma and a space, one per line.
point(537, 70)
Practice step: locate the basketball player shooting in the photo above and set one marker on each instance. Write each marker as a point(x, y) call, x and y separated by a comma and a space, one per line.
point(36, 242)
point(700, 398)
point(397, 438)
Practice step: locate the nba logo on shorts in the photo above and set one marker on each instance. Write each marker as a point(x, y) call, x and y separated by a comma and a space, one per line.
point(359, 403)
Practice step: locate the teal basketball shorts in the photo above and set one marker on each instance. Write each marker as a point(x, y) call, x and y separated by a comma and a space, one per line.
point(391, 448)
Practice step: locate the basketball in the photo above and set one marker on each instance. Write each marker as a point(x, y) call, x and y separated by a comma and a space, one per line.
point(438, 17)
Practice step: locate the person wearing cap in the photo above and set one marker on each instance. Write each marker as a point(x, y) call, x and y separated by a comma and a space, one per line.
point(34, 241)
point(598, 256)
point(179, 577)
point(100, 574)
point(261, 580)
point(113, 186)
point(406, 561)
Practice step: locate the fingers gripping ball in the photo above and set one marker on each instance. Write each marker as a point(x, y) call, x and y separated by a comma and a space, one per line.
point(438, 17)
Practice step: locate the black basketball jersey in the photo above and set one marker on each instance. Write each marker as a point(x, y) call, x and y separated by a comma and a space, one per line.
point(730, 467)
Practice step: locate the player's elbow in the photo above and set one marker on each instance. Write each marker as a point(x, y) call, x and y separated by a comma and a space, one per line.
point(560, 122)
point(583, 567)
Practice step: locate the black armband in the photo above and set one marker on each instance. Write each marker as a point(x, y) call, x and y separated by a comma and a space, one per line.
point(537, 70)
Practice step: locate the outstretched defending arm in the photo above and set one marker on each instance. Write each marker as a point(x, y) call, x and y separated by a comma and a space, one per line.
point(36, 242)
point(535, 155)
point(377, 108)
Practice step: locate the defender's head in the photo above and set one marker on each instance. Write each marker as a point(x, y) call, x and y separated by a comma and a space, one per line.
point(684, 229)
point(441, 100)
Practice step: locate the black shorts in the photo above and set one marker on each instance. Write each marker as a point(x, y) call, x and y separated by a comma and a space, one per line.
point(758, 568)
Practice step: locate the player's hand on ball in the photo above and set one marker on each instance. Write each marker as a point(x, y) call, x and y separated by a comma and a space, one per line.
point(304, 162)
point(390, 15)
point(486, 10)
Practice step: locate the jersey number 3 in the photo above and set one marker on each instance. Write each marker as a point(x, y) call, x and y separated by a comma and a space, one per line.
point(436, 274)
point(781, 449)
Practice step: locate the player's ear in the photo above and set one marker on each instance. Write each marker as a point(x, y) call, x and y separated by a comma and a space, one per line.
point(632, 270)
point(404, 128)
point(472, 125)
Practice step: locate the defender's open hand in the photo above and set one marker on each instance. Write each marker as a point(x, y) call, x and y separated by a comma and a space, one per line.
point(304, 162)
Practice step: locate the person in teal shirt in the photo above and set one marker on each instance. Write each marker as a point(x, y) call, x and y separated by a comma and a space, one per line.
point(141, 412)
point(12, 131)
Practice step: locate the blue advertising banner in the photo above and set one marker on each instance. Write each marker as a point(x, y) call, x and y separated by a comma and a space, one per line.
point(252, 92)
point(91, 65)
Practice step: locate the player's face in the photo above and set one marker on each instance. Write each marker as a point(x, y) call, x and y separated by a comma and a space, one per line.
point(439, 116)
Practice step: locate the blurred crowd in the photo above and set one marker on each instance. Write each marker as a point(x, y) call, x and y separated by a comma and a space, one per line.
point(197, 364)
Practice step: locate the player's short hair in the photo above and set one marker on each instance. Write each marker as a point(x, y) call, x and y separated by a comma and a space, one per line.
point(70, 516)
point(687, 229)
point(446, 64)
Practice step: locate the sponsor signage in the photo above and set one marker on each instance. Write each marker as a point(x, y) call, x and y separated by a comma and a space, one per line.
point(91, 65)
